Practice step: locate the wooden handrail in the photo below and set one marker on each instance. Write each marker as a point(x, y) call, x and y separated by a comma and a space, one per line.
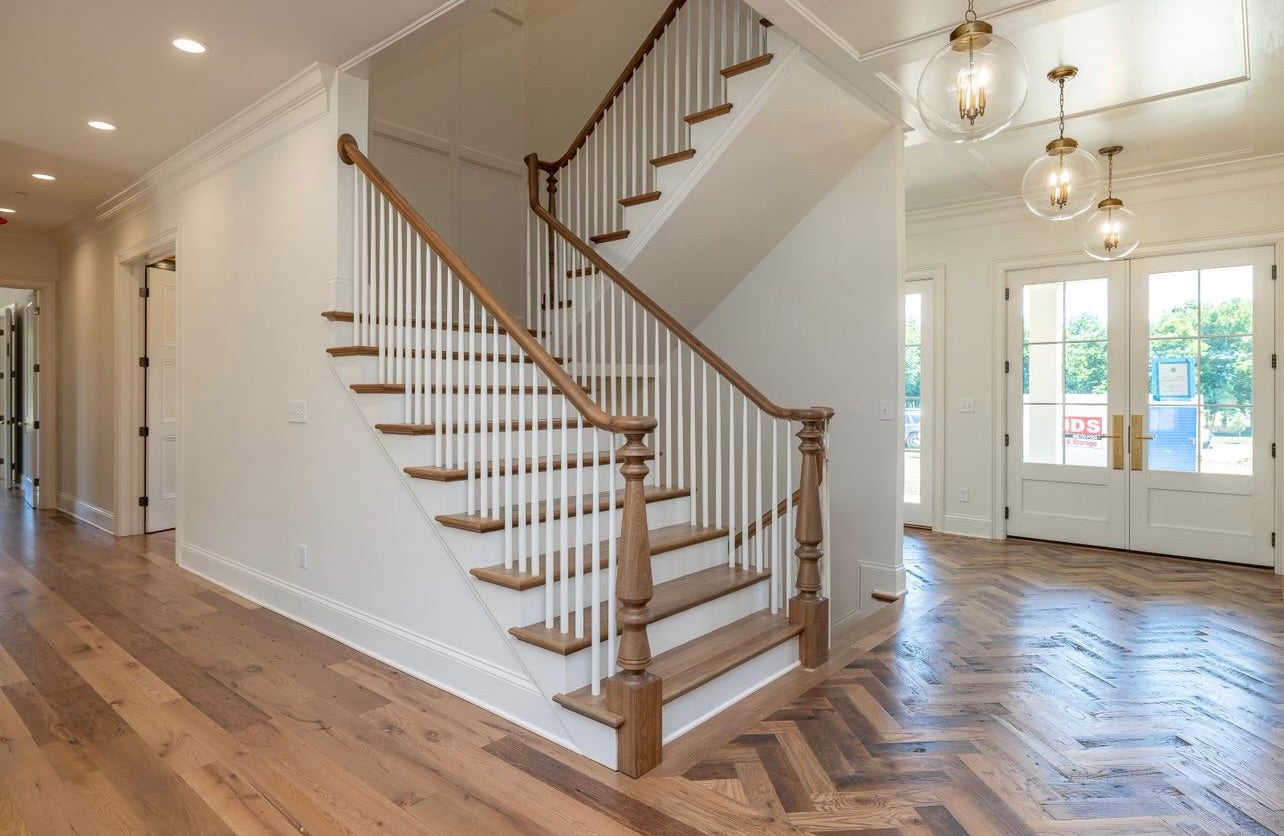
point(636, 61)
point(815, 413)
point(351, 154)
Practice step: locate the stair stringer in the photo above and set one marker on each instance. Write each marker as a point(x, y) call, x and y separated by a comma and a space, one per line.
point(518, 696)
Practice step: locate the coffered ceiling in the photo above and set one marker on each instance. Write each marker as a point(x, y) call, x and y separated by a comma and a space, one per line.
point(1179, 83)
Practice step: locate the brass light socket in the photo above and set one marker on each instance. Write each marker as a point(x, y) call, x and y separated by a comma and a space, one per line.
point(1067, 72)
point(1110, 150)
point(1111, 203)
point(1060, 147)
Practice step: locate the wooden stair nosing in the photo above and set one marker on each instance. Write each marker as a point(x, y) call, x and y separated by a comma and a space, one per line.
point(639, 199)
point(669, 598)
point(373, 351)
point(580, 560)
point(695, 663)
point(583, 271)
point(745, 66)
point(458, 474)
point(675, 157)
point(608, 237)
point(605, 501)
point(491, 426)
point(455, 389)
point(707, 114)
point(347, 316)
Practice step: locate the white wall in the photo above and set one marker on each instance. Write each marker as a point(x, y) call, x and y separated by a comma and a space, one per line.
point(26, 258)
point(259, 242)
point(816, 323)
point(1176, 212)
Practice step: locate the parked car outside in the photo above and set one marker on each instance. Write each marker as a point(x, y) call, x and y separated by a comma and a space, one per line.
point(913, 421)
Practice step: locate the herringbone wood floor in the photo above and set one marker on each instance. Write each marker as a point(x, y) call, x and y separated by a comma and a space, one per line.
point(1038, 688)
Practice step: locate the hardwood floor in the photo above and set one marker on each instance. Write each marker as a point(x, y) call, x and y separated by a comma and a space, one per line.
point(1020, 688)
point(1037, 688)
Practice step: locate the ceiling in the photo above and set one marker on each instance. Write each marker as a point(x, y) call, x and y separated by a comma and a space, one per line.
point(1179, 83)
point(68, 61)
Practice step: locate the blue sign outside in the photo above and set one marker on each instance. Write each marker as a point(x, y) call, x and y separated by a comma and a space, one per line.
point(1175, 427)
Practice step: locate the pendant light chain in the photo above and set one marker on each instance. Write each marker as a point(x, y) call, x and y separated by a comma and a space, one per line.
point(1062, 83)
point(1110, 178)
point(970, 15)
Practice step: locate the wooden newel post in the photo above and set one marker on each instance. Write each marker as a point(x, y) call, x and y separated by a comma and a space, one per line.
point(808, 607)
point(634, 693)
point(552, 242)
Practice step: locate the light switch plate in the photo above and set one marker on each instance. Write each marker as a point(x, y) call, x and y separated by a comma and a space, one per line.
point(297, 412)
point(967, 405)
point(884, 410)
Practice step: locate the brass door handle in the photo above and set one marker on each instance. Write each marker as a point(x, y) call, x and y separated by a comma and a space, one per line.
point(1138, 435)
point(1117, 436)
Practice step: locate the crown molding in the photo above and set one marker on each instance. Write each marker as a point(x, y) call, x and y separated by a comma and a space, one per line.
point(1137, 186)
point(302, 99)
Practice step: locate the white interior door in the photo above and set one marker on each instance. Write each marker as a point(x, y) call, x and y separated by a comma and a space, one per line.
point(31, 401)
point(1067, 393)
point(6, 396)
point(919, 449)
point(162, 400)
point(1141, 405)
point(1202, 390)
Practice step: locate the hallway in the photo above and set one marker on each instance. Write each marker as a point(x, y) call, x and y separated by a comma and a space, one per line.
point(1024, 688)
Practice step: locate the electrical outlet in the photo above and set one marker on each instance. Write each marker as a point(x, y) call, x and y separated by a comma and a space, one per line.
point(297, 411)
point(964, 495)
point(303, 556)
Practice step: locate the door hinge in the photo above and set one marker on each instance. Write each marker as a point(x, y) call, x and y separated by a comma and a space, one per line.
point(35, 483)
point(35, 425)
point(1007, 440)
point(35, 369)
point(142, 502)
point(1007, 512)
point(1275, 272)
point(1272, 449)
point(1007, 366)
point(144, 362)
point(36, 311)
point(1274, 360)
point(143, 432)
point(144, 292)
point(1272, 539)
point(1007, 293)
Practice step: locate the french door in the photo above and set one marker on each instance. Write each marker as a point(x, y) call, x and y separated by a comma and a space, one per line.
point(1141, 405)
point(917, 403)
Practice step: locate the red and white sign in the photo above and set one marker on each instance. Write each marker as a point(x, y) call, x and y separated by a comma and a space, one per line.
point(1076, 425)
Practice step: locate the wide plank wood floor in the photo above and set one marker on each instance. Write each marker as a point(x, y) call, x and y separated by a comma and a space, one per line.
point(1020, 688)
point(1037, 688)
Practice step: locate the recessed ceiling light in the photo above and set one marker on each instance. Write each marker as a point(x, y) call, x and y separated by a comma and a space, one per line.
point(40, 175)
point(189, 45)
point(8, 211)
point(102, 126)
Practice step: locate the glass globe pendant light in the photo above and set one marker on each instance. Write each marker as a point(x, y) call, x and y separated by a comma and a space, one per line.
point(1111, 232)
point(975, 85)
point(1063, 183)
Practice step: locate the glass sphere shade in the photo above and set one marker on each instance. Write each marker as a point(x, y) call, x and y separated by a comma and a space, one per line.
point(1110, 234)
point(1062, 186)
point(973, 88)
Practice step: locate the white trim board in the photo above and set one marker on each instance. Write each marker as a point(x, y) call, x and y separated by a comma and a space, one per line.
point(86, 512)
point(482, 683)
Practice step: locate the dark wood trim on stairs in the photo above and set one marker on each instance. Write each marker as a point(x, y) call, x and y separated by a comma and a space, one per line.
point(607, 237)
point(705, 115)
point(605, 501)
point(675, 157)
point(400, 388)
point(455, 428)
point(459, 474)
point(373, 351)
point(745, 66)
point(637, 200)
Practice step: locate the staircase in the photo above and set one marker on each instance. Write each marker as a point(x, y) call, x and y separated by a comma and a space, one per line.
point(629, 506)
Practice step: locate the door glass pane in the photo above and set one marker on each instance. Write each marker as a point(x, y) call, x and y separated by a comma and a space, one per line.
point(1201, 371)
point(1065, 360)
point(913, 396)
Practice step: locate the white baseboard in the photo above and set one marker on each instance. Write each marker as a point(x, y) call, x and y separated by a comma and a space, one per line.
point(876, 577)
point(479, 681)
point(967, 525)
point(87, 512)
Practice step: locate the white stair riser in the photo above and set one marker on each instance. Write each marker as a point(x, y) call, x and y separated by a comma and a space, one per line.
point(682, 714)
point(455, 494)
point(669, 177)
point(502, 373)
point(344, 334)
point(413, 450)
point(558, 674)
point(487, 549)
point(527, 606)
point(390, 408)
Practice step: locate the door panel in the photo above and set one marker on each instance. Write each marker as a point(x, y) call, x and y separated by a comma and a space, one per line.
point(31, 401)
point(1203, 396)
point(7, 397)
point(162, 399)
point(1066, 392)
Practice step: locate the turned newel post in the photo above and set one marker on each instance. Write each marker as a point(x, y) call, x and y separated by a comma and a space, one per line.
point(634, 693)
point(808, 608)
point(552, 247)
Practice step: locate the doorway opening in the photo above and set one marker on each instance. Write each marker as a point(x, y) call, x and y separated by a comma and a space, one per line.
point(159, 365)
point(918, 437)
point(20, 406)
point(1141, 405)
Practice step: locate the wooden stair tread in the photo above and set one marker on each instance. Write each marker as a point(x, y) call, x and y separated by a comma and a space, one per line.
point(347, 316)
point(710, 113)
point(745, 66)
point(675, 157)
point(458, 474)
point(580, 560)
point(490, 426)
point(582, 271)
point(455, 389)
point(670, 598)
point(373, 351)
point(607, 237)
point(603, 502)
point(639, 199)
point(698, 662)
